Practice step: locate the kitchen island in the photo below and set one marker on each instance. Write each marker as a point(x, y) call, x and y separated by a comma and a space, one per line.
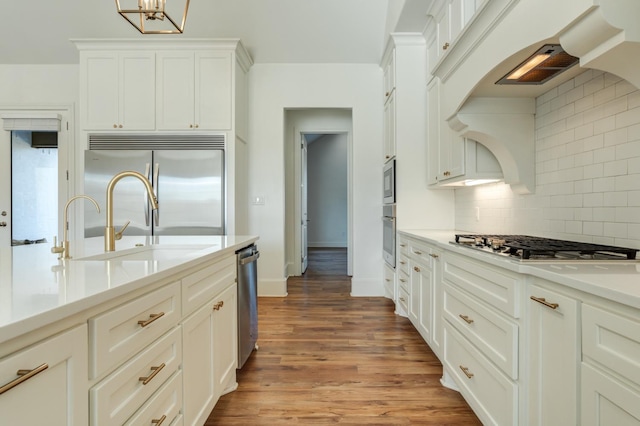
point(84, 332)
point(543, 342)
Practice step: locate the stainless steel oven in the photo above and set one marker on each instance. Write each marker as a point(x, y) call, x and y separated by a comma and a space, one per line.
point(389, 182)
point(389, 234)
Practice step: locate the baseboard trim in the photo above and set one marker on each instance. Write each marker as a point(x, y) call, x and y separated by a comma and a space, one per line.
point(340, 244)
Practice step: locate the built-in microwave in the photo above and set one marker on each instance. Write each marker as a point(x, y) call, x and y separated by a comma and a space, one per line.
point(389, 182)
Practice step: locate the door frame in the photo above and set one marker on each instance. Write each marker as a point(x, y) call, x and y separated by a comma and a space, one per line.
point(66, 159)
point(298, 135)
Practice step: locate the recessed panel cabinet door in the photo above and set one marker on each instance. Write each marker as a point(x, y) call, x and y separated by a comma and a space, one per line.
point(99, 90)
point(137, 91)
point(55, 389)
point(175, 102)
point(213, 90)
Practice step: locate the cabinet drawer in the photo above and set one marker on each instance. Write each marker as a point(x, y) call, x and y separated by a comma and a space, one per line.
point(403, 301)
point(403, 246)
point(420, 252)
point(403, 281)
point(496, 286)
point(493, 397)
point(607, 402)
point(389, 282)
point(403, 264)
point(613, 340)
point(121, 332)
point(165, 403)
point(120, 395)
point(493, 334)
point(204, 284)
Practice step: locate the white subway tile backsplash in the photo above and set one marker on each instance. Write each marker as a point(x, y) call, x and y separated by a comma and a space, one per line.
point(587, 159)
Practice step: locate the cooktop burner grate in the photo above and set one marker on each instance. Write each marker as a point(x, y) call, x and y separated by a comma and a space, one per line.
point(528, 247)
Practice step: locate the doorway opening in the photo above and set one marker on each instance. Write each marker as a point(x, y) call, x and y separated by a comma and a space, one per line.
point(318, 181)
point(324, 193)
point(34, 186)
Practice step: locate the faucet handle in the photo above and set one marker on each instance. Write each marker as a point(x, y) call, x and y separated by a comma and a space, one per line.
point(121, 231)
point(57, 249)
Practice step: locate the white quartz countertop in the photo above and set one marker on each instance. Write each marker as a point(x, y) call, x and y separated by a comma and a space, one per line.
point(37, 288)
point(618, 281)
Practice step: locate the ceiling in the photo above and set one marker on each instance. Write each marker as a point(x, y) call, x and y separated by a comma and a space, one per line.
point(274, 31)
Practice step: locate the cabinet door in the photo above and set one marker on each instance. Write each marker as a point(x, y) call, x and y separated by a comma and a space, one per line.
point(213, 90)
point(55, 396)
point(389, 124)
point(554, 358)
point(137, 91)
point(438, 303)
point(426, 302)
point(99, 90)
point(197, 365)
point(433, 131)
point(225, 339)
point(444, 28)
point(175, 83)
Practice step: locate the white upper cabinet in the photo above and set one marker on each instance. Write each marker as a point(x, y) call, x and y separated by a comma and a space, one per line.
point(117, 90)
point(194, 90)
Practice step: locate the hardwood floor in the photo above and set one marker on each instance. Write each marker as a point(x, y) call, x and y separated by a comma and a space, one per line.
point(328, 358)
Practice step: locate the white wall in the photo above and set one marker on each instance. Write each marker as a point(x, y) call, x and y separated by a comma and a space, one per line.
point(327, 191)
point(587, 169)
point(37, 84)
point(277, 87)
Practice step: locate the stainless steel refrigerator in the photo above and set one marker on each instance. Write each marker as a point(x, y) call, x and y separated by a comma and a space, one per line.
point(189, 185)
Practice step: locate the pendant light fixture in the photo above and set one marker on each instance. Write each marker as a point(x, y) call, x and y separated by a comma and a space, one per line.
point(152, 16)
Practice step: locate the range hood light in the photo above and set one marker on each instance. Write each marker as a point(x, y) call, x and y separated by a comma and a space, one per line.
point(547, 62)
point(528, 66)
point(474, 182)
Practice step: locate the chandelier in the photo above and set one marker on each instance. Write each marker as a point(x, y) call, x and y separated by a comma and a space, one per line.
point(152, 16)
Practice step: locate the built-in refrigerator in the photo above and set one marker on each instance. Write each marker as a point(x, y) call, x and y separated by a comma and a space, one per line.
point(189, 185)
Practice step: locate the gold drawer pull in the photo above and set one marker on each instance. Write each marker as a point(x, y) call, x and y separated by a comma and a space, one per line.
point(387, 280)
point(466, 319)
point(418, 252)
point(415, 268)
point(466, 372)
point(403, 245)
point(152, 318)
point(155, 370)
point(544, 302)
point(445, 46)
point(402, 299)
point(435, 256)
point(159, 421)
point(402, 262)
point(218, 305)
point(24, 376)
point(403, 280)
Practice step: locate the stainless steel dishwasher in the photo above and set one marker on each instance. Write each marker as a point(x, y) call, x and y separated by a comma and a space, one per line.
point(247, 302)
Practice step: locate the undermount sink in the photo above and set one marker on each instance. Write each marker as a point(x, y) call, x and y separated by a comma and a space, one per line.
point(160, 252)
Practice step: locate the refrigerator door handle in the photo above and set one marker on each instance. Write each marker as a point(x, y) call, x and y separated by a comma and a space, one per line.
point(156, 183)
point(147, 174)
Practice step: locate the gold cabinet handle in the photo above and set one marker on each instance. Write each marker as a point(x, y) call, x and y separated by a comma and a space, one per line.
point(415, 268)
point(402, 262)
point(115, 126)
point(402, 299)
point(445, 46)
point(159, 421)
point(466, 372)
point(403, 245)
point(435, 256)
point(152, 318)
point(387, 280)
point(544, 302)
point(120, 126)
point(387, 93)
point(403, 280)
point(466, 319)
point(154, 371)
point(418, 252)
point(218, 305)
point(24, 376)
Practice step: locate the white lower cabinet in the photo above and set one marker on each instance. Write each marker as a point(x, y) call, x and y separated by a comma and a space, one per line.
point(610, 365)
point(554, 356)
point(210, 355)
point(389, 277)
point(46, 384)
point(421, 297)
point(491, 394)
point(164, 407)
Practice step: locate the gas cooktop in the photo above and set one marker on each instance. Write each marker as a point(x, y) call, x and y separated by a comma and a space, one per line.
point(525, 248)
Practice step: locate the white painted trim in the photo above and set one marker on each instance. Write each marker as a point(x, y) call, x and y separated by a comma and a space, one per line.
point(327, 244)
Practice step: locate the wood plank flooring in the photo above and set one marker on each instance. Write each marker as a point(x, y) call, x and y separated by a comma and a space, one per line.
point(328, 358)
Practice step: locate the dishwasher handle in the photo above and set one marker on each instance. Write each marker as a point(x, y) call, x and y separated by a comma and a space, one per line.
point(249, 259)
